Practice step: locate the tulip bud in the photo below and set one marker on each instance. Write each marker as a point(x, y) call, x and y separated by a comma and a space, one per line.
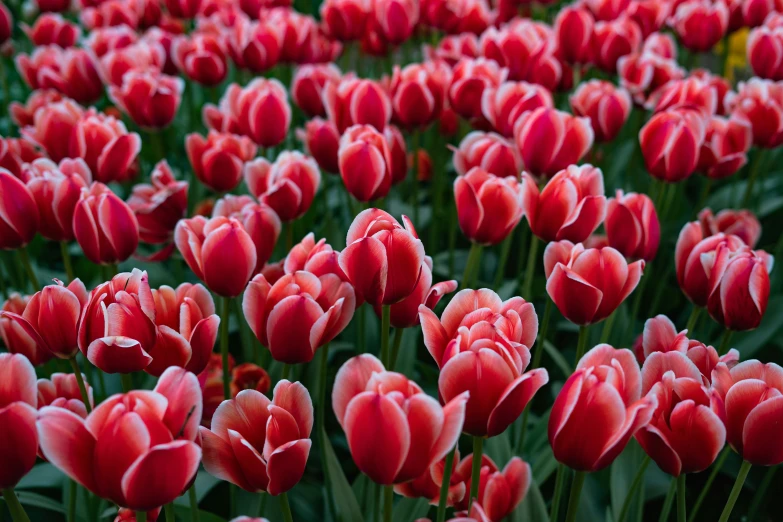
point(365, 163)
point(288, 186)
point(690, 92)
point(607, 9)
point(489, 151)
point(649, 16)
point(254, 45)
point(150, 100)
point(105, 226)
point(202, 57)
point(308, 85)
point(70, 71)
point(725, 147)
point(396, 19)
point(661, 44)
point(105, 145)
point(17, 339)
point(739, 287)
point(574, 29)
point(160, 205)
point(526, 49)
point(488, 207)
point(644, 73)
point(470, 79)
point(62, 390)
point(357, 102)
point(48, 128)
point(760, 103)
point(141, 56)
point(670, 143)
point(23, 115)
point(219, 160)
point(741, 223)
point(613, 40)
point(502, 491)
point(345, 20)
point(607, 106)
point(503, 106)
point(418, 93)
point(322, 141)
point(700, 24)
point(261, 222)
point(51, 29)
point(18, 401)
point(765, 52)
point(632, 226)
point(18, 212)
point(550, 140)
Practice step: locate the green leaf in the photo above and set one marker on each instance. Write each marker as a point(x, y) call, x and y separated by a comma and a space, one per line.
point(204, 484)
point(345, 502)
point(183, 513)
point(43, 475)
point(408, 509)
point(558, 358)
point(622, 473)
point(27, 498)
point(499, 448)
point(749, 343)
point(532, 508)
point(544, 465)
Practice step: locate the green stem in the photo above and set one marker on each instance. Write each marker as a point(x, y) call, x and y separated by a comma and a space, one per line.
point(195, 516)
point(705, 192)
point(415, 140)
point(67, 263)
point(322, 377)
point(681, 516)
point(554, 511)
point(475, 476)
point(539, 351)
point(14, 506)
point(693, 319)
point(581, 343)
point(735, 491)
point(725, 341)
point(24, 258)
point(80, 381)
point(716, 467)
point(285, 508)
point(289, 236)
point(395, 347)
point(127, 382)
point(444, 487)
point(471, 266)
point(637, 481)
point(388, 502)
point(761, 493)
point(637, 301)
point(286, 371)
point(576, 492)
point(72, 501)
point(452, 239)
point(501, 268)
point(668, 501)
point(360, 345)
point(607, 330)
point(224, 319)
point(262, 504)
point(531, 267)
point(754, 174)
point(141, 516)
point(385, 320)
point(169, 510)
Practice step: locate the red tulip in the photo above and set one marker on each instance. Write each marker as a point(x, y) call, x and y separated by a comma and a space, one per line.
point(607, 106)
point(105, 145)
point(489, 151)
point(643, 73)
point(428, 484)
point(219, 160)
point(600, 277)
point(470, 78)
point(127, 440)
point(725, 147)
point(503, 106)
point(141, 56)
point(69, 71)
point(670, 143)
point(650, 16)
point(739, 287)
point(382, 259)
point(550, 140)
point(700, 24)
point(317, 258)
point(23, 115)
point(160, 205)
point(260, 221)
point(345, 19)
point(128, 515)
point(662, 44)
point(258, 444)
point(15, 152)
point(105, 226)
point(202, 57)
point(598, 409)
point(632, 226)
point(219, 251)
point(18, 212)
point(752, 395)
point(354, 101)
point(52, 29)
point(183, 8)
point(488, 207)
point(765, 52)
point(365, 163)
point(685, 434)
point(18, 401)
point(613, 40)
point(288, 185)
point(308, 85)
point(255, 45)
point(150, 100)
point(303, 40)
point(499, 492)
point(741, 223)
point(607, 9)
point(53, 5)
point(452, 48)
point(481, 345)
point(322, 141)
point(248, 376)
point(62, 390)
point(571, 206)
point(574, 30)
point(419, 92)
point(384, 410)
point(400, 166)
point(690, 92)
point(760, 103)
point(754, 12)
point(14, 337)
point(396, 19)
point(112, 13)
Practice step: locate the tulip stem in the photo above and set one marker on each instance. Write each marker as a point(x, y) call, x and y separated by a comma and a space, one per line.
point(536, 363)
point(681, 516)
point(285, 508)
point(735, 491)
point(286, 371)
point(127, 382)
point(581, 343)
point(72, 501)
point(444, 487)
point(14, 506)
point(530, 269)
point(360, 329)
point(80, 381)
point(141, 516)
point(716, 467)
point(66, 260)
point(195, 516)
point(388, 502)
point(395, 348)
point(754, 173)
point(554, 510)
point(169, 510)
point(637, 481)
point(607, 330)
point(323, 374)
point(501, 268)
point(576, 492)
point(693, 320)
point(475, 476)
point(385, 321)
point(224, 319)
point(667, 502)
point(24, 257)
point(725, 341)
point(471, 266)
point(289, 236)
point(415, 142)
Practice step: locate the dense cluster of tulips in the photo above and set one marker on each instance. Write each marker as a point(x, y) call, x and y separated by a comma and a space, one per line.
point(231, 232)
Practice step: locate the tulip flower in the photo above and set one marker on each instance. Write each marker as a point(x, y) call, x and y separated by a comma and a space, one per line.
point(70, 71)
point(649, 16)
point(248, 376)
point(663, 45)
point(488, 207)
point(160, 205)
point(322, 142)
point(6, 24)
point(105, 145)
point(258, 444)
point(308, 85)
point(49, 126)
point(120, 456)
point(260, 221)
point(642, 74)
point(52, 29)
point(632, 226)
point(452, 48)
point(574, 30)
point(429, 483)
point(489, 151)
point(62, 390)
point(418, 92)
point(470, 79)
point(15, 152)
point(765, 52)
point(503, 106)
point(345, 19)
point(150, 100)
point(18, 212)
point(140, 56)
point(202, 57)
point(219, 160)
point(14, 337)
point(398, 154)
point(614, 39)
point(759, 103)
point(670, 143)
point(254, 45)
point(725, 147)
point(692, 92)
point(550, 140)
point(365, 163)
point(739, 287)
point(599, 276)
point(396, 19)
point(500, 492)
point(381, 409)
point(741, 223)
point(353, 101)
point(700, 24)
point(105, 226)
point(288, 185)
point(219, 251)
point(18, 401)
point(607, 106)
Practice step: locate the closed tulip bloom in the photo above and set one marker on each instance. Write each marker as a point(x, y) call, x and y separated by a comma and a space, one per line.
point(613, 40)
point(19, 212)
point(607, 106)
point(258, 444)
point(671, 142)
point(481, 344)
point(599, 409)
point(488, 207)
point(739, 287)
point(725, 147)
point(15, 152)
point(219, 160)
point(105, 226)
point(141, 56)
point(52, 29)
point(741, 223)
point(260, 221)
point(550, 140)
point(158, 206)
point(691, 92)
point(382, 259)
point(571, 205)
point(6, 24)
point(382, 409)
point(253, 45)
point(114, 12)
point(183, 8)
point(355, 101)
point(15, 338)
point(418, 92)
point(685, 434)
point(62, 390)
point(490, 151)
point(760, 103)
point(308, 85)
point(345, 20)
point(105, 144)
point(125, 442)
point(452, 48)
point(700, 24)
point(318, 258)
point(500, 492)
point(365, 163)
point(150, 100)
point(396, 19)
point(219, 251)
point(202, 57)
point(752, 395)
point(601, 278)
point(661, 44)
point(503, 106)
point(429, 483)
point(288, 185)
point(632, 226)
point(470, 79)
point(765, 52)
point(400, 164)
point(607, 9)
point(70, 71)
point(574, 30)
point(18, 401)
point(642, 74)
point(650, 16)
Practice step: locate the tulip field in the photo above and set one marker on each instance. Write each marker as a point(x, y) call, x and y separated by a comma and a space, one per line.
point(391, 260)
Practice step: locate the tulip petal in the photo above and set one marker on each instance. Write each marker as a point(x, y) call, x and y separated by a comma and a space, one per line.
point(700, 435)
point(219, 459)
point(658, 363)
point(425, 419)
point(160, 475)
point(17, 380)
point(287, 465)
point(118, 355)
point(67, 443)
point(655, 444)
point(170, 350)
point(514, 400)
point(636, 416)
point(435, 337)
point(19, 443)
point(464, 302)
point(295, 399)
point(250, 462)
point(453, 420)
point(202, 341)
point(351, 380)
point(243, 414)
point(289, 326)
point(563, 285)
point(366, 265)
point(760, 436)
point(587, 216)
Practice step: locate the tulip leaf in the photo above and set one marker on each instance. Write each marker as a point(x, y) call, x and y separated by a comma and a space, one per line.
point(43, 475)
point(748, 343)
point(345, 502)
point(498, 448)
point(27, 498)
point(558, 358)
point(184, 513)
point(532, 508)
point(408, 509)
